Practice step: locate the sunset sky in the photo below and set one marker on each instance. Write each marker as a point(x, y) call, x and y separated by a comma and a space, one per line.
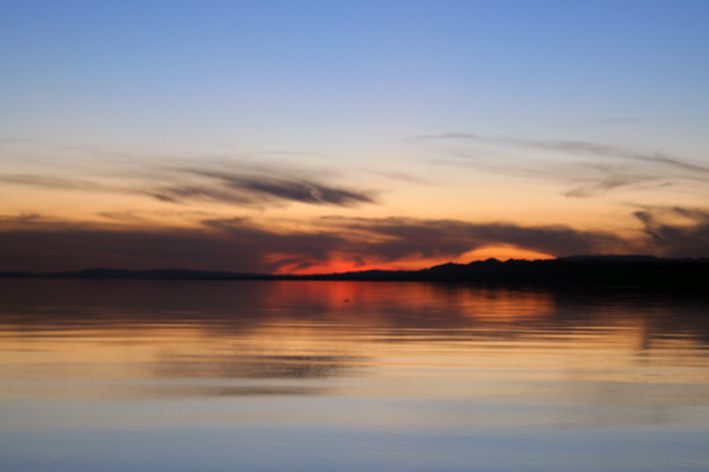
point(304, 136)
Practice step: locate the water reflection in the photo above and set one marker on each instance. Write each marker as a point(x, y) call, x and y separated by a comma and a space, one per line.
point(349, 358)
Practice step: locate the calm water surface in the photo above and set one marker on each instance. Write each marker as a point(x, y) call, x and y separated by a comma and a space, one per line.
point(348, 376)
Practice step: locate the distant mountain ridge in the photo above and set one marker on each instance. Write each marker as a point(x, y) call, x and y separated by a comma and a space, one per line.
point(576, 271)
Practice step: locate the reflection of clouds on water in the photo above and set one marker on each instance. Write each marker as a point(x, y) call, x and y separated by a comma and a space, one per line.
point(237, 366)
point(226, 309)
point(395, 355)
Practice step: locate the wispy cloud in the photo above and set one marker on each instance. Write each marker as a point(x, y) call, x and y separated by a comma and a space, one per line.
point(604, 184)
point(594, 168)
point(57, 183)
point(258, 189)
point(399, 176)
point(613, 121)
point(247, 187)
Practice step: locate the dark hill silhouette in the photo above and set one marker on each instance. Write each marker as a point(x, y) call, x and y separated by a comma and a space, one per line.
point(570, 272)
point(579, 271)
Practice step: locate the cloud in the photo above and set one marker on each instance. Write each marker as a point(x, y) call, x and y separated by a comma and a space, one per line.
point(242, 245)
point(676, 231)
point(248, 189)
point(52, 248)
point(183, 185)
point(618, 120)
point(573, 147)
point(619, 167)
point(400, 176)
point(405, 238)
point(57, 183)
point(32, 243)
point(602, 185)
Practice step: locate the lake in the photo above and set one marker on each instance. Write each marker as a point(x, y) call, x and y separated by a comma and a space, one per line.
point(348, 376)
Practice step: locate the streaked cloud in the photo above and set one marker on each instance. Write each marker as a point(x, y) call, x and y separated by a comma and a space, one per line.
point(57, 183)
point(241, 187)
point(612, 121)
point(245, 189)
point(590, 168)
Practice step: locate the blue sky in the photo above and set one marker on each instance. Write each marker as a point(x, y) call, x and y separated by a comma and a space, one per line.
point(456, 96)
point(155, 70)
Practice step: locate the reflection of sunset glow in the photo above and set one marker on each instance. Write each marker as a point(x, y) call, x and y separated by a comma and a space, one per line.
point(345, 345)
point(506, 306)
point(340, 355)
point(326, 328)
point(348, 298)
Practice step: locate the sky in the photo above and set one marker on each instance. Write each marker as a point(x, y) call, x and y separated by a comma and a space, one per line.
point(307, 136)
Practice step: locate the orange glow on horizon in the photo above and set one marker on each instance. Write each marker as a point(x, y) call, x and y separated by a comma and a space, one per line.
point(504, 253)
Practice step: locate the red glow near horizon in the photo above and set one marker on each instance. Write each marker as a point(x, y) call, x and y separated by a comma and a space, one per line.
point(339, 264)
point(334, 266)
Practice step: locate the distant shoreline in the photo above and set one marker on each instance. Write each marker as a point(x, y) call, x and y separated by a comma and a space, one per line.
point(578, 271)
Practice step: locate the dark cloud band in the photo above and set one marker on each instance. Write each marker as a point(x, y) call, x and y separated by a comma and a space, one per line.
point(240, 245)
